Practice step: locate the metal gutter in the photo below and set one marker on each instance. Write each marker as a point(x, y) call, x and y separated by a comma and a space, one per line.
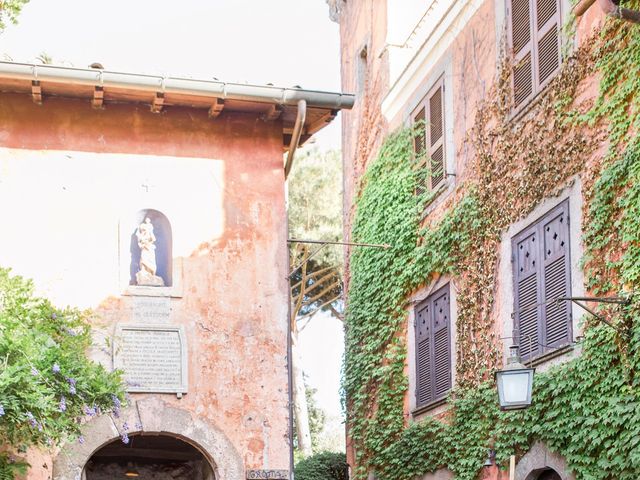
point(176, 85)
point(609, 8)
point(295, 137)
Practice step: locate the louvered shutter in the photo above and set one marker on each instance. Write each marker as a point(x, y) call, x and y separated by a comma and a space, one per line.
point(542, 274)
point(436, 135)
point(547, 28)
point(433, 348)
point(424, 354)
point(521, 36)
point(527, 291)
point(420, 147)
point(442, 345)
point(556, 276)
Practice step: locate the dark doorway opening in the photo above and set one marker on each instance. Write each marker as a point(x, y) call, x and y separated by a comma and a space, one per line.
point(549, 475)
point(148, 456)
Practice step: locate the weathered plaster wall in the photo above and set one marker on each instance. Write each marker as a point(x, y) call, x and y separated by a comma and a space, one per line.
point(72, 178)
point(362, 25)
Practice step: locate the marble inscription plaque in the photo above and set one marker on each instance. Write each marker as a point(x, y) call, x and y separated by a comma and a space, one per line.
point(277, 474)
point(153, 358)
point(151, 310)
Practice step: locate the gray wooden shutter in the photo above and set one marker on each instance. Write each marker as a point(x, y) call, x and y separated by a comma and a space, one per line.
point(442, 344)
point(542, 274)
point(424, 354)
point(419, 148)
point(527, 284)
point(556, 277)
point(433, 348)
point(521, 36)
point(436, 134)
point(547, 37)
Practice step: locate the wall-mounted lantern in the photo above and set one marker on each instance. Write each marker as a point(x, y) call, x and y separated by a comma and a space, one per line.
point(514, 382)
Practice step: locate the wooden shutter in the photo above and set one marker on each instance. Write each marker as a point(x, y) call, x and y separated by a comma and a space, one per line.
point(420, 148)
point(547, 37)
point(436, 134)
point(424, 354)
point(441, 345)
point(542, 273)
point(521, 42)
point(527, 291)
point(433, 348)
point(556, 276)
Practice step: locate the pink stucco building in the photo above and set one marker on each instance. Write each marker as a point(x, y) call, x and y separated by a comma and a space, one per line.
point(440, 62)
point(86, 155)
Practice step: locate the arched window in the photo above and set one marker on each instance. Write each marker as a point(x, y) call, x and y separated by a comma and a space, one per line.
point(150, 248)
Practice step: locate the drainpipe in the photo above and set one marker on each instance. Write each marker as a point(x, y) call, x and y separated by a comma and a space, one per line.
point(293, 145)
point(610, 9)
point(295, 137)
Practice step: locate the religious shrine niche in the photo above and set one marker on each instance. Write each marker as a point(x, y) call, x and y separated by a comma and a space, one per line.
point(150, 248)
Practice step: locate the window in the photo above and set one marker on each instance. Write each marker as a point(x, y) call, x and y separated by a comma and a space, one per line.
point(541, 275)
point(433, 348)
point(535, 42)
point(428, 144)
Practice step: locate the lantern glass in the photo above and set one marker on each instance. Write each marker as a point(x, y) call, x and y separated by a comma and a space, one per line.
point(514, 387)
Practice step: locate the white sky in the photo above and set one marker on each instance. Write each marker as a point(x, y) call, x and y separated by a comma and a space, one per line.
point(284, 42)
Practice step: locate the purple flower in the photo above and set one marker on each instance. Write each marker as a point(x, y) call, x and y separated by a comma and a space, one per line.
point(125, 426)
point(91, 411)
point(138, 426)
point(54, 316)
point(80, 439)
point(72, 385)
point(125, 438)
point(32, 421)
point(55, 368)
point(63, 404)
point(71, 332)
point(34, 371)
point(1, 410)
point(116, 401)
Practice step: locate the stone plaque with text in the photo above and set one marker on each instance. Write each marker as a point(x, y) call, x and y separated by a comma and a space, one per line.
point(153, 358)
point(277, 474)
point(151, 310)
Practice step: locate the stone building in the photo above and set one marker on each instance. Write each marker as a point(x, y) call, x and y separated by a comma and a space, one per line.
point(160, 204)
point(441, 63)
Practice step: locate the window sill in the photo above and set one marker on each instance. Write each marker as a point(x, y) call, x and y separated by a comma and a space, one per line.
point(439, 195)
point(518, 113)
point(429, 406)
point(545, 357)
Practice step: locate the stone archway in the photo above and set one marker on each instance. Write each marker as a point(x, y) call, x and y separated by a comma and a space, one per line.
point(151, 415)
point(540, 461)
point(158, 456)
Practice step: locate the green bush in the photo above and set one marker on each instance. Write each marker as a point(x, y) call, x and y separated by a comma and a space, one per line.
point(323, 466)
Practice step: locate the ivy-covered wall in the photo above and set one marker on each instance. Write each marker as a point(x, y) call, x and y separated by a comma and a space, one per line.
point(586, 409)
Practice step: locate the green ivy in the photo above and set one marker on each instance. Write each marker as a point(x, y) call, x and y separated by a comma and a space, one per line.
point(587, 409)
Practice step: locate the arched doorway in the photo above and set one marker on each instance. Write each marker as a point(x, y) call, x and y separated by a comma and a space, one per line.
point(149, 456)
point(549, 474)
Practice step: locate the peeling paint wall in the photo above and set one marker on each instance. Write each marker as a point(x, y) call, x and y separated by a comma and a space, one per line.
point(72, 180)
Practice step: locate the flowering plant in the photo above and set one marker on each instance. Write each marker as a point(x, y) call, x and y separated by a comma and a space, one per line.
point(48, 385)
